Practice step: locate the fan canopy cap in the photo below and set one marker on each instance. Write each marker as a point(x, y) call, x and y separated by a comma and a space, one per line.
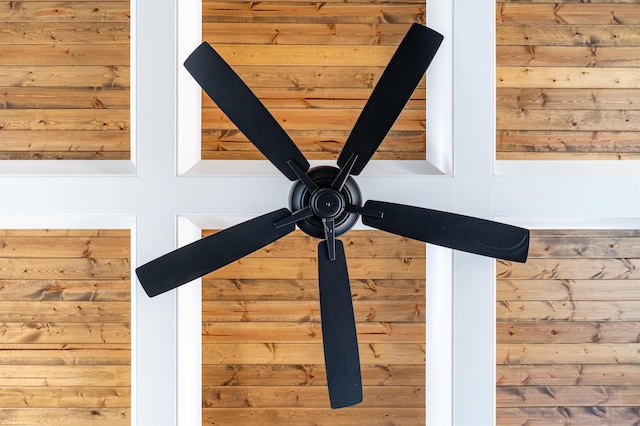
point(326, 202)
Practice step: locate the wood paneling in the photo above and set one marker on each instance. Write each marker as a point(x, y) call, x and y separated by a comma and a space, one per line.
point(65, 313)
point(568, 330)
point(314, 66)
point(568, 80)
point(262, 339)
point(65, 80)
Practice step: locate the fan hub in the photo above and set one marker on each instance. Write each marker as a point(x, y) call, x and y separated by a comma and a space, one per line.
point(325, 202)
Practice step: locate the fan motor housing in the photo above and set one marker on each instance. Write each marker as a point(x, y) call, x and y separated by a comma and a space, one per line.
point(325, 202)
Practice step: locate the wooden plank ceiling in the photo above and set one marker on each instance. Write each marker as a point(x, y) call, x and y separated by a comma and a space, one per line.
point(64, 80)
point(65, 312)
point(568, 79)
point(568, 330)
point(313, 65)
point(263, 360)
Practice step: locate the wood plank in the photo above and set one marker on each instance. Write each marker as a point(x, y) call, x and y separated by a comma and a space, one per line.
point(576, 35)
point(62, 98)
point(569, 1)
point(285, 88)
point(298, 353)
point(43, 268)
point(113, 354)
point(221, 143)
point(318, 142)
point(584, 247)
point(567, 156)
point(576, 396)
point(306, 397)
point(351, 416)
point(587, 416)
point(380, 246)
point(567, 142)
point(85, 332)
point(65, 155)
point(68, 397)
point(304, 33)
point(584, 416)
point(568, 332)
point(304, 79)
point(328, 13)
point(385, 311)
point(66, 416)
point(563, 14)
point(57, 247)
point(590, 232)
point(567, 77)
point(48, 78)
point(568, 120)
point(308, 55)
point(276, 289)
point(579, 99)
point(568, 374)
point(98, 290)
point(65, 375)
point(575, 353)
point(64, 54)
point(65, 33)
point(307, 375)
point(213, 3)
point(65, 141)
point(616, 269)
point(65, 119)
point(317, 103)
point(66, 11)
point(582, 310)
point(314, 155)
point(76, 311)
point(20, 232)
point(568, 289)
point(307, 332)
point(291, 268)
point(315, 140)
point(567, 56)
point(316, 119)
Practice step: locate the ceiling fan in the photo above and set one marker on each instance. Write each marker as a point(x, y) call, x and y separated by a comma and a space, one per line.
point(325, 202)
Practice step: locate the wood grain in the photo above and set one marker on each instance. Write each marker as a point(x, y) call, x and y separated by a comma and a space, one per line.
point(351, 416)
point(65, 321)
point(587, 416)
point(66, 416)
point(297, 289)
point(262, 336)
point(567, 67)
point(65, 67)
point(567, 332)
point(314, 66)
point(307, 375)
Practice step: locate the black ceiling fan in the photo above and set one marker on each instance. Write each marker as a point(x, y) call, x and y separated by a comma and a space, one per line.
point(325, 202)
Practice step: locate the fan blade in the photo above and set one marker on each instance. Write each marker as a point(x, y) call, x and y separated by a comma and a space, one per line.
point(244, 109)
point(470, 234)
point(208, 254)
point(394, 89)
point(341, 357)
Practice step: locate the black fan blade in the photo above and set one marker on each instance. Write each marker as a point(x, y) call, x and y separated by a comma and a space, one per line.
point(394, 89)
point(244, 109)
point(341, 357)
point(208, 254)
point(455, 231)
